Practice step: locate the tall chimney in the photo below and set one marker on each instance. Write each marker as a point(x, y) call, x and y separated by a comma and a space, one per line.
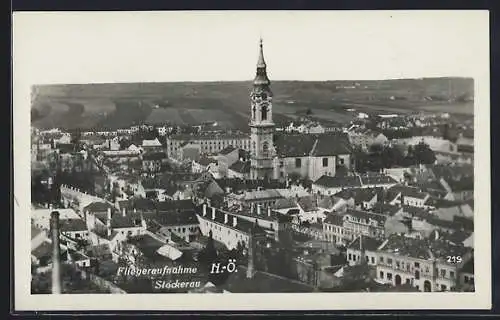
point(250, 270)
point(108, 223)
point(226, 218)
point(56, 253)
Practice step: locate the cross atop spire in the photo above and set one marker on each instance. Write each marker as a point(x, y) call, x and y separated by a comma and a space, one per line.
point(261, 63)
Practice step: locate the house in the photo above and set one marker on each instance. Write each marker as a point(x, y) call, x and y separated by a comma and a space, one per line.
point(211, 143)
point(406, 195)
point(365, 138)
point(357, 222)
point(189, 151)
point(312, 155)
point(227, 228)
point(202, 164)
point(151, 145)
point(435, 144)
point(420, 263)
point(466, 275)
point(363, 249)
point(183, 224)
point(335, 204)
point(153, 161)
point(329, 185)
point(309, 211)
point(333, 228)
point(41, 217)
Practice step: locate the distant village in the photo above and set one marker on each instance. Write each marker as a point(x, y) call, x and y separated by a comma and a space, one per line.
point(384, 203)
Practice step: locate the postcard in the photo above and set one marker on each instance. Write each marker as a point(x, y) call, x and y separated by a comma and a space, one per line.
point(263, 160)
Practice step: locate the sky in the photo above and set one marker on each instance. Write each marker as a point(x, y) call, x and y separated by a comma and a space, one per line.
point(94, 47)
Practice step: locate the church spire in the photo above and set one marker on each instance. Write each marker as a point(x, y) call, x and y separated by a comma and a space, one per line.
point(261, 78)
point(261, 63)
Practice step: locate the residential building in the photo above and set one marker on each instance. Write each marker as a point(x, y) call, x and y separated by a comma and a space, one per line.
point(363, 250)
point(210, 143)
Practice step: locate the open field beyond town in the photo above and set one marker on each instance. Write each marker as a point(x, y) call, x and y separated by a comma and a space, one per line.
point(227, 103)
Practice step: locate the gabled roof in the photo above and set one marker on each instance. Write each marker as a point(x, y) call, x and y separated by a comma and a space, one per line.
point(240, 166)
point(406, 191)
point(285, 203)
point(98, 206)
point(316, 145)
point(335, 219)
point(71, 225)
point(227, 150)
point(151, 143)
point(385, 208)
point(328, 202)
point(307, 203)
point(154, 156)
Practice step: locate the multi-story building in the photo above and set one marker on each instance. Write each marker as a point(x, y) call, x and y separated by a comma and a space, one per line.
point(427, 265)
point(225, 227)
point(363, 250)
point(209, 143)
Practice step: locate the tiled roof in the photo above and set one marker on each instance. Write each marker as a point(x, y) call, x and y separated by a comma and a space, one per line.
point(317, 145)
point(406, 191)
point(43, 250)
point(98, 207)
point(205, 161)
point(247, 184)
point(151, 143)
point(338, 182)
point(241, 166)
point(367, 243)
point(457, 237)
point(328, 202)
point(181, 205)
point(175, 218)
point(262, 194)
point(404, 246)
point(308, 203)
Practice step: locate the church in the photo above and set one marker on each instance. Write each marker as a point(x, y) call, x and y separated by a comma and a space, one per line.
point(275, 156)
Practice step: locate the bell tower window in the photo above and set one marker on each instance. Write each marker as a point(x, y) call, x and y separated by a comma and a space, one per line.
point(264, 112)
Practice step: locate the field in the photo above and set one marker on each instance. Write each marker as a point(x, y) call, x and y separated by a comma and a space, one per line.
point(188, 103)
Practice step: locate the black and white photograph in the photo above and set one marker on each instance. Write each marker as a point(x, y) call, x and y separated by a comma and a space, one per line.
point(306, 155)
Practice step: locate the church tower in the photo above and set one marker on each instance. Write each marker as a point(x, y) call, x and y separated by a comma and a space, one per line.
point(261, 124)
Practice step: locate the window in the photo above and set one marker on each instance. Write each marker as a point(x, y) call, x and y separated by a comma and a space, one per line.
point(452, 274)
point(389, 261)
point(389, 276)
point(397, 264)
point(373, 260)
point(325, 162)
point(341, 161)
point(417, 275)
point(381, 274)
point(349, 258)
point(353, 258)
point(381, 259)
point(298, 162)
point(443, 273)
point(366, 258)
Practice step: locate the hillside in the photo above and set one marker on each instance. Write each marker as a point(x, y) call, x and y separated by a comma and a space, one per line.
point(124, 104)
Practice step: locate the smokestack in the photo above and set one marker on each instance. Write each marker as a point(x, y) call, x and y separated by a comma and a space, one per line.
point(56, 253)
point(250, 270)
point(108, 223)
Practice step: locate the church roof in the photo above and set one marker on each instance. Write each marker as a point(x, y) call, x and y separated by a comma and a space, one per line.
point(316, 145)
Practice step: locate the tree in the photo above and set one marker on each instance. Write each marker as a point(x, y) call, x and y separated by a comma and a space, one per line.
point(421, 154)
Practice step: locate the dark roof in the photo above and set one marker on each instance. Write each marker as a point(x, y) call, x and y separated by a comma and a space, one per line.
point(468, 266)
point(367, 194)
point(367, 243)
point(73, 225)
point(328, 202)
point(334, 219)
point(43, 250)
point(174, 205)
point(404, 246)
point(227, 150)
point(205, 161)
point(385, 208)
point(441, 203)
point(175, 218)
point(318, 145)
point(262, 282)
point(375, 179)
point(147, 245)
point(246, 184)
point(457, 237)
point(154, 156)
point(338, 182)
point(241, 166)
point(98, 206)
point(307, 203)
point(285, 203)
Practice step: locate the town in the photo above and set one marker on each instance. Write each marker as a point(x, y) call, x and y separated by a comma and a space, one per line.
point(382, 203)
